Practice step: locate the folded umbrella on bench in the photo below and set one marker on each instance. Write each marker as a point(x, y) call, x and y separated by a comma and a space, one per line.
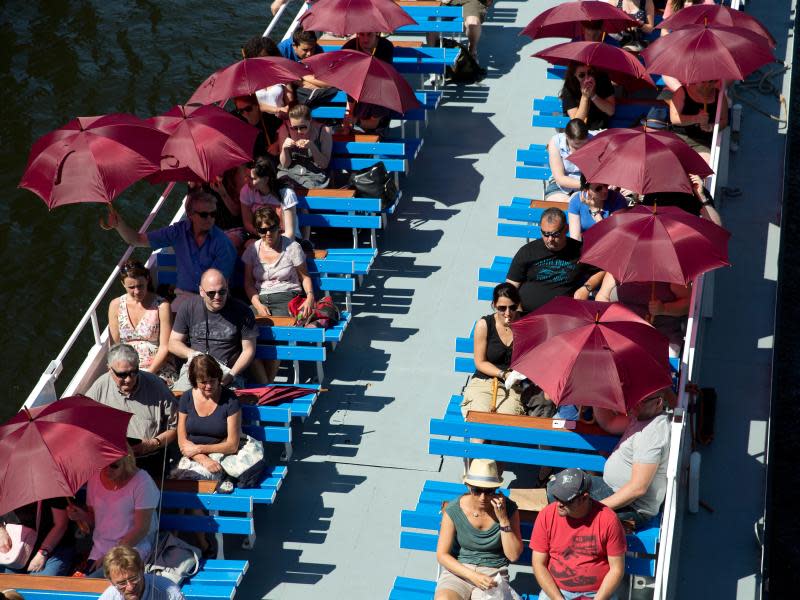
point(272, 394)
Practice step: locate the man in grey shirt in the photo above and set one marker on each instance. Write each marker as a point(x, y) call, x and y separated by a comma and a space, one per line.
point(146, 396)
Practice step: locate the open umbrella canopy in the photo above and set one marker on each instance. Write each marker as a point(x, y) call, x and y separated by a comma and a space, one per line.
point(365, 78)
point(346, 17)
point(273, 394)
point(591, 354)
point(52, 450)
point(564, 20)
point(92, 159)
point(204, 141)
point(716, 15)
point(655, 243)
point(622, 66)
point(640, 160)
point(244, 77)
point(698, 53)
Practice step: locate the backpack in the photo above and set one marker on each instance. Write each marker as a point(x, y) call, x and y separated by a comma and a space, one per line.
point(325, 314)
point(375, 182)
point(465, 69)
point(174, 559)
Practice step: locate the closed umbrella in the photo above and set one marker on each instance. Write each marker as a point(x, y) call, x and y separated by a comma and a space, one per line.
point(92, 159)
point(273, 394)
point(52, 450)
point(346, 17)
point(622, 66)
point(564, 20)
point(716, 15)
point(591, 354)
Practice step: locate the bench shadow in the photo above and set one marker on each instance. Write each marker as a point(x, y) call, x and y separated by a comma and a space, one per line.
point(500, 49)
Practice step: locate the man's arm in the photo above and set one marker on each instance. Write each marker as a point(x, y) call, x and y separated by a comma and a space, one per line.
point(642, 475)
point(177, 345)
point(245, 358)
point(125, 231)
point(616, 570)
point(582, 293)
point(543, 576)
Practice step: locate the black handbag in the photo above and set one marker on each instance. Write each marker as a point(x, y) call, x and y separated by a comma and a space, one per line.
point(374, 182)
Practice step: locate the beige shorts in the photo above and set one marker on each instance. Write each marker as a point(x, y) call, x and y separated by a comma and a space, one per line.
point(478, 396)
point(465, 589)
point(474, 8)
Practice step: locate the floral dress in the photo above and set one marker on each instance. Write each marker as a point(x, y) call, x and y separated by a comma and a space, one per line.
point(145, 336)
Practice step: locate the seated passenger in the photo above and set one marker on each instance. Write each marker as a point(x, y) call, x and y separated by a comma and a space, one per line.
point(593, 203)
point(313, 92)
point(52, 552)
point(225, 189)
point(673, 6)
point(249, 110)
point(124, 569)
point(578, 544)
point(588, 95)
point(479, 536)
point(493, 345)
point(262, 190)
point(198, 243)
point(692, 110)
point(549, 267)
point(565, 178)
point(126, 387)
point(644, 11)
point(121, 502)
point(699, 203)
point(665, 305)
point(209, 423)
point(306, 147)
point(214, 323)
point(369, 118)
point(143, 320)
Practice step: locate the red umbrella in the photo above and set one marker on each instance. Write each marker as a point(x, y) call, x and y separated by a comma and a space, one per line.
point(204, 141)
point(649, 243)
point(274, 394)
point(698, 53)
point(52, 450)
point(716, 14)
point(564, 20)
point(640, 160)
point(591, 354)
point(244, 77)
point(623, 67)
point(92, 159)
point(346, 17)
point(365, 78)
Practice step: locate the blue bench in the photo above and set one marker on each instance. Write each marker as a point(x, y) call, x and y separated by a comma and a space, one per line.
point(547, 112)
point(558, 72)
point(422, 60)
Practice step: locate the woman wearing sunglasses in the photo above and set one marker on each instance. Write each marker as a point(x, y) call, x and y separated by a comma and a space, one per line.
point(478, 537)
point(588, 95)
point(121, 502)
point(493, 344)
point(305, 150)
point(593, 203)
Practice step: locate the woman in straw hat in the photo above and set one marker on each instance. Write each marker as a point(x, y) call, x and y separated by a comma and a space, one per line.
point(479, 535)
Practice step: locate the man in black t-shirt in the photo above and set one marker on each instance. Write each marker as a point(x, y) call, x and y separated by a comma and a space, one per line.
point(215, 324)
point(548, 267)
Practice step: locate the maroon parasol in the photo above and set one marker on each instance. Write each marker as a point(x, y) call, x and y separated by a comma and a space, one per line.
point(92, 159)
point(658, 243)
point(621, 66)
point(274, 394)
point(564, 20)
point(715, 15)
point(640, 160)
point(346, 17)
point(204, 141)
point(591, 354)
point(244, 77)
point(365, 78)
point(52, 450)
point(698, 53)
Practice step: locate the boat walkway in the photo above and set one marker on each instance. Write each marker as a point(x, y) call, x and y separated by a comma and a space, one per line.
point(362, 455)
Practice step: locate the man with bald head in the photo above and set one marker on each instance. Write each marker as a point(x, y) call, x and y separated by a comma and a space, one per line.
point(216, 324)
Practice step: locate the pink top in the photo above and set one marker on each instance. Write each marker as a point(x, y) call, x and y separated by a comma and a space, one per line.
point(145, 336)
point(668, 8)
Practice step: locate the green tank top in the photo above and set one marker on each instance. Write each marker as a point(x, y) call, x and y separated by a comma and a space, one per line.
point(473, 546)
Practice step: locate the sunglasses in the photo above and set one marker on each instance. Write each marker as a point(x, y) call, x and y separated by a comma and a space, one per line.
point(298, 127)
point(213, 293)
point(125, 374)
point(552, 234)
point(479, 491)
point(245, 109)
point(570, 502)
point(584, 75)
point(509, 307)
point(266, 230)
point(206, 214)
point(600, 187)
point(121, 585)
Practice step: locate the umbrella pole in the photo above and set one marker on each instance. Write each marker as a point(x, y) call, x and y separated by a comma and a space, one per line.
point(651, 318)
point(82, 525)
point(494, 395)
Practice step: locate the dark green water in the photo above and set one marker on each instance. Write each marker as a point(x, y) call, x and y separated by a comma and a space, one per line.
point(65, 58)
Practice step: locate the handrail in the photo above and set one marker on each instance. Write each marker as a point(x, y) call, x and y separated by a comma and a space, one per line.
point(275, 18)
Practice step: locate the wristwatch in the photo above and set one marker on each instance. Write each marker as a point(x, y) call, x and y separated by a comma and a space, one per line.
point(44, 552)
point(506, 529)
point(588, 287)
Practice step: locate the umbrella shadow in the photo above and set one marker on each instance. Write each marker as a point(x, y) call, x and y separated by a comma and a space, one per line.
point(500, 49)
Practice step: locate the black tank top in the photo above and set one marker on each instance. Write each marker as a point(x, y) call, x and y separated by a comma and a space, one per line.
point(497, 352)
point(692, 107)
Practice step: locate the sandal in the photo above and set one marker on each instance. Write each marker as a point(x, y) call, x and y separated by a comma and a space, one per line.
point(225, 487)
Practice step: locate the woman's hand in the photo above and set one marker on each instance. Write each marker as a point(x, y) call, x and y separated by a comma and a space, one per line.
point(111, 221)
point(211, 465)
point(307, 307)
point(481, 581)
point(500, 509)
point(262, 311)
point(288, 143)
point(37, 563)
point(655, 308)
point(189, 449)
point(5, 540)
point(587, 87)
point(75, 513)
point(302, 144)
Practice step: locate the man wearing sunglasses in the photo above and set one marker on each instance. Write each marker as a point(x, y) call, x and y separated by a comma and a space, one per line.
point(578, 543)
point(214, 323)
point(198, 243)
point(124, 569)
point(155, 412)
point(549, 267)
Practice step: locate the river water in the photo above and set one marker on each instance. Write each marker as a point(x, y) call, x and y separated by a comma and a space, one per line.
point(69, 58)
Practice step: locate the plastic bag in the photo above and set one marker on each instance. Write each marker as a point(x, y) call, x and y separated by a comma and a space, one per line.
point(502, 591)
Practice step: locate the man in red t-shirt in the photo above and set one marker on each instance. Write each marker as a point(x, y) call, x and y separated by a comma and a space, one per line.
point(578, 543)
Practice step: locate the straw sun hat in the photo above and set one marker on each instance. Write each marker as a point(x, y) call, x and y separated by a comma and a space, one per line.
point(483, 473)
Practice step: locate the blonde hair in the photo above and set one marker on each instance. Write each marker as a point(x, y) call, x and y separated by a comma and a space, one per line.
point(122, 558)
point(11, 595)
